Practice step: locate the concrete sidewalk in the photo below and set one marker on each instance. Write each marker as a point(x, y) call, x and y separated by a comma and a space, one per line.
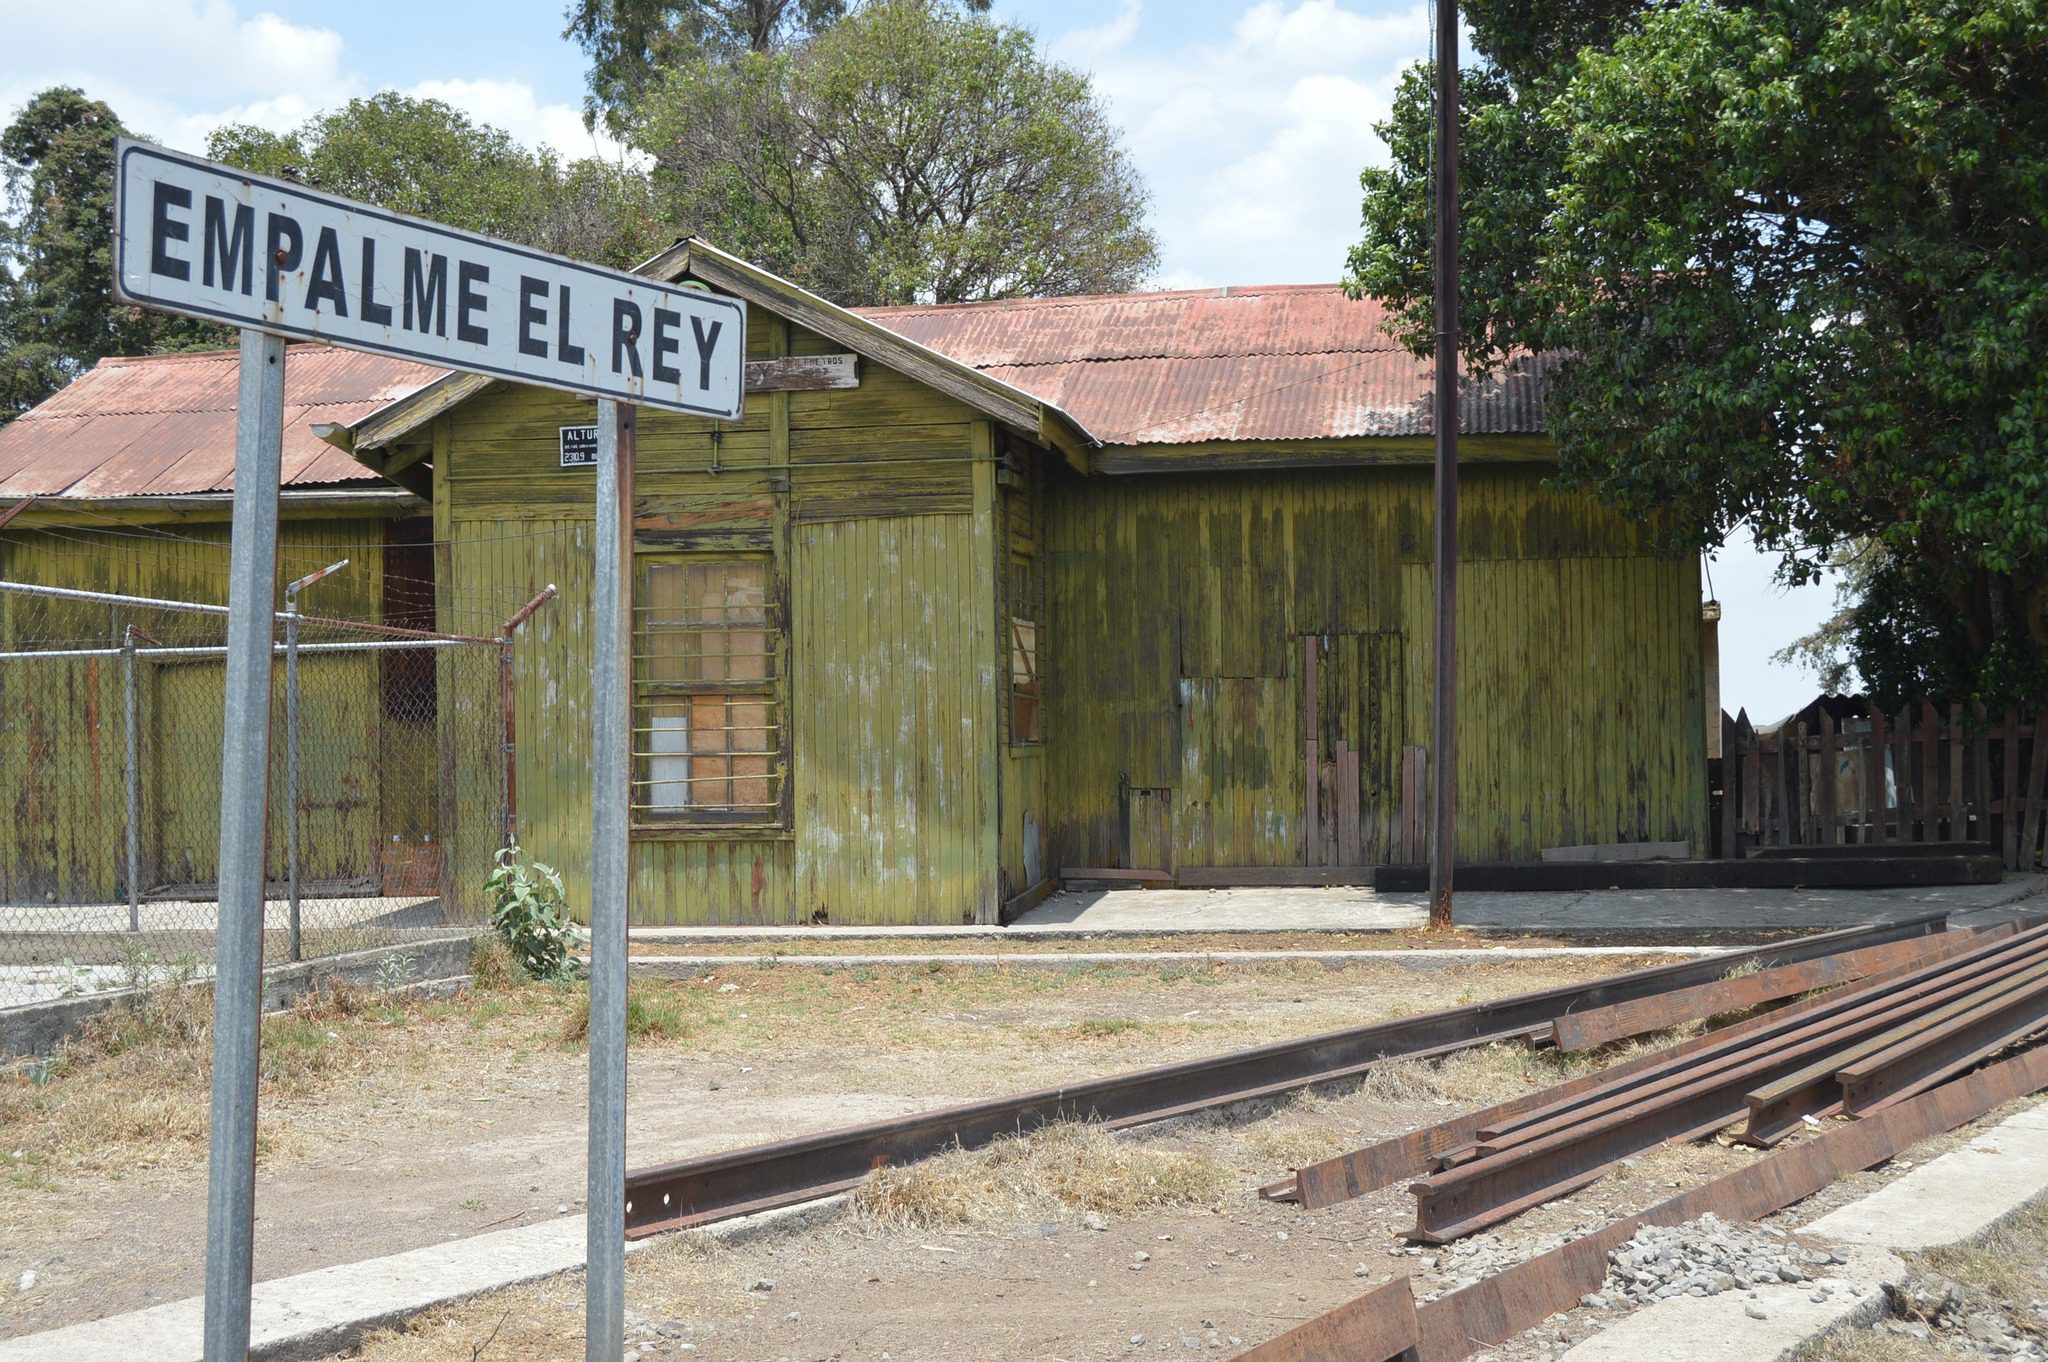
point(1599, 911)
point(1151, 912)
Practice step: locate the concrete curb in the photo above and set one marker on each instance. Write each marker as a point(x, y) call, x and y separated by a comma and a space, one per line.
point(40, 1028)
point(674, 966)
point(1949, 1199)
point(315, 1314)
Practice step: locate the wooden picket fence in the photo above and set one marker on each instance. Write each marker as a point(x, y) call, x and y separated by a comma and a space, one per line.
point(1919, 776)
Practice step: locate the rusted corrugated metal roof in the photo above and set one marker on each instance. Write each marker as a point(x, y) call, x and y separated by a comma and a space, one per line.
point(164, 425)
point(1288, 362)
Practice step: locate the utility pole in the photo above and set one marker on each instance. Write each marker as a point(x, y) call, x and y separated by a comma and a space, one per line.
point(1444, 748)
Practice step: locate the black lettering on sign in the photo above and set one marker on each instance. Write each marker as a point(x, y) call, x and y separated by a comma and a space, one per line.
point(164, 229)
point(566, 350)
point(426, 291)
point(666, 342)
point(469, 302)
point(625, 336)
point(326, 286)
point(373, 312)
point(227, 246)
point(532, 314)
point(707, 342)
point(283, 247)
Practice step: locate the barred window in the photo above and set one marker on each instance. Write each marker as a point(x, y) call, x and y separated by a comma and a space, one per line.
point(707, 708)
point(1024, 689)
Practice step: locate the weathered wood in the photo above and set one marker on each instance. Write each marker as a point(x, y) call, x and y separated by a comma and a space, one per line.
point(1980, 808)
point(1880, 808)
point(1347, 804)
point(1728, 835)
point(1312, 821)
point(1828, 773)
point(802, 373)
point(1412, 777)
point(1273, 876)
point(1752, 775)
point(1788, 786)
point(1930, 773)
point(1119, 875)
point(2037, 773)
point(2009, 792)
point(1958, 816)
point(1902, 762)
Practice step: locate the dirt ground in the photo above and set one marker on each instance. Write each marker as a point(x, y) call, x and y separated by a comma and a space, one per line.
point(391, 1125)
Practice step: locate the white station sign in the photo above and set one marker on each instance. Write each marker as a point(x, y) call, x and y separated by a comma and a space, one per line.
point(210, 241)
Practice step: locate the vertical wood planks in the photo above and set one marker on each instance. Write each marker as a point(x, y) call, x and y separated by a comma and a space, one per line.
point(1828, 772)
point(2037, 772)
point(2009, 791)
point(1958, 817)
point(1347, 804)
point(1312, 822)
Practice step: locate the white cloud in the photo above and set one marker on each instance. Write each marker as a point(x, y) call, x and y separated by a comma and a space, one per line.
point(177, 69)
point(1252, 144)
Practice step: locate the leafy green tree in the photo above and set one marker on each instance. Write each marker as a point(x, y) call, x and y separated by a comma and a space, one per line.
point(58, 314)
point(1794, 254)
point(911, 152)
point(631, 43)
point(427, 158)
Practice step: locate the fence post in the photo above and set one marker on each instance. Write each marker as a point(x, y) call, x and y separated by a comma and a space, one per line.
point(291, 769)
point(509, 712)
point(133, 779)
point(291, 740)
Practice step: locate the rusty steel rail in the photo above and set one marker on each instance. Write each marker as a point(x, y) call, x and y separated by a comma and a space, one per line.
point(788, 1172)
point(1508, 1171)
point(1380, 1326)
point(1491, 1312)
point(1926, 1058)
point(1640, 1016)
point(1367, 1170)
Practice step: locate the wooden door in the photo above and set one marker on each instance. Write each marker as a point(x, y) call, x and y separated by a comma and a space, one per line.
point(1352, 718)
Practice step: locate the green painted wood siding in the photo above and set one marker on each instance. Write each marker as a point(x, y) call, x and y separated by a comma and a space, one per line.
point(1176, 669)
point(870, 502)
point(62, 741)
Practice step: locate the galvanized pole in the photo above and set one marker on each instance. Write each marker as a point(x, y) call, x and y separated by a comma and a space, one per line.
point(245, 766)
point(1444, 748)
point(134, 781)
point(611, 772)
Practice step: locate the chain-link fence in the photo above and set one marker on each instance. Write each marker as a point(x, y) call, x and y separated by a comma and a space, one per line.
point(111, 711)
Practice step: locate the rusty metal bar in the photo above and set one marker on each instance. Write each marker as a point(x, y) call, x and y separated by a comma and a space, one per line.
point(1495, 1310)
point(16, 509)
point(1366, 1170)
point(718, 1186)
point(508, 711)
point(1380, 1326)
point(1937, 1052)
point(1585, 1030)
point(1543, 1159)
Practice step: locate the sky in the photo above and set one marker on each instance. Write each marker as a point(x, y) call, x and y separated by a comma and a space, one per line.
point(1249, 120)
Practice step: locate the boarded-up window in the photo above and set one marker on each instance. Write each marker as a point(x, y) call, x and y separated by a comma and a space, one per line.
point(707, 716)
point(1025, 696)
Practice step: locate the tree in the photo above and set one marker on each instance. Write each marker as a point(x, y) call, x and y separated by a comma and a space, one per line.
point(631, 43)
point(58, 314)
point(427, 158)
point(1794, 255)
point(912, 152)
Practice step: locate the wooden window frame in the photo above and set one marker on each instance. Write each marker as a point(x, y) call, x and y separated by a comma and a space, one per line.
point(768, 815)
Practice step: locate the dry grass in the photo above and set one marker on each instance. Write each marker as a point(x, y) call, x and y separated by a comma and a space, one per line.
point(2010, 1263)
point(1871, 1345)
point(1056, 1172)
point(652, 1013)
point(1478, 1077)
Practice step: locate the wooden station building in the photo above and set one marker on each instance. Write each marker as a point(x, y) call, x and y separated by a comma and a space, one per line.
point(976, 593)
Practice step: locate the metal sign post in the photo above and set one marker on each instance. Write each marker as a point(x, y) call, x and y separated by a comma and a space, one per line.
point(611, 778)
point(278, 259)
point(1444, 736)
point(245, 765)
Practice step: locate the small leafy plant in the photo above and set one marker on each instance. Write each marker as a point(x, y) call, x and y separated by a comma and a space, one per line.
point(528, 912)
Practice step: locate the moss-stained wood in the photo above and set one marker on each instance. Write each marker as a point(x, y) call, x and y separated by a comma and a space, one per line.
point(867, 499)
point(1174, 663)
